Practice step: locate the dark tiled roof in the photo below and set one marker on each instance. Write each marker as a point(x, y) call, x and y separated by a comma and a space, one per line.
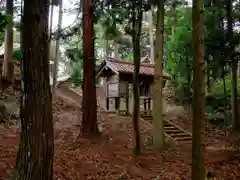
point(121, 66)
point(128, 67)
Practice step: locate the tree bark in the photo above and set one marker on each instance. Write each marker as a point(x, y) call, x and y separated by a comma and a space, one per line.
point(150, 28)
point(208, 82)
point(198, 146)
point(225, 98)
point(51, 22)
point(89, 119)
point(235, 119)
point(106, 49)
point(116, 48)
point(234, 65)
point(158, 130)
point(35, 154)
point(238, 69)
point(7, 71)
point(189, 81)
point(57, 53)
point(50, 32)
point(137, 25)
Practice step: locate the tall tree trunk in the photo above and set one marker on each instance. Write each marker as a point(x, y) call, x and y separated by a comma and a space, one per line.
point(189, 81)
point(89, 119)
point(51, 22)
point(50, 38)
point(7, 71)
point(234, 65)
point(116, 48)
point(238, 69)
point(225, 98)
point(57, 53)
point(50, 30)
point(106, 43)
point(158, 130)
point(137, 25)
point(208, 74)
point(106, 48)
point(198, 146)
point(35, 155)
point(150, 28)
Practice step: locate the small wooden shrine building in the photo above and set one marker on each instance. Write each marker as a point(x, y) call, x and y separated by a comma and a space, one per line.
point(118, 74)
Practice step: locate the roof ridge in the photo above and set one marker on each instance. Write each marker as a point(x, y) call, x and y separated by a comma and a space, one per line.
point(129, 62)
point(118, 60)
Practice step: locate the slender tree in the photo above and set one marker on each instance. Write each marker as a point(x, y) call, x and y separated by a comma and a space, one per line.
point(136, 27)
point(57, 51)
point(50, 29)
point(198, 146)
point(51, 21)
point(89, 119)
point(150, 29)
point(158, 129)
point(7, 71)
point(35, 154)
point(234, 65)
point(116, 49)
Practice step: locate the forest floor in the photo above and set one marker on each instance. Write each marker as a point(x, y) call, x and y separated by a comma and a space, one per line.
point(110, 156)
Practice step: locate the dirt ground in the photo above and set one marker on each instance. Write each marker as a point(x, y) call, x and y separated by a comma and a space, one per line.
point(110, 156)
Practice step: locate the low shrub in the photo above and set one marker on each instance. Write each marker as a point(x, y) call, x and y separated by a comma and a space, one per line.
point(217, 100)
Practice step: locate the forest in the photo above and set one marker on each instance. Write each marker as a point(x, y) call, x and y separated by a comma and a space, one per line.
point(130, 90)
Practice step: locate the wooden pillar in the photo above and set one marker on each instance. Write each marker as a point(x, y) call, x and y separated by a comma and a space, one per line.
point(117, 103)
point(149, 105)
point(130, 99)
point(107, 103)
point(127, 99)
point(145, 105)
point(127, 105)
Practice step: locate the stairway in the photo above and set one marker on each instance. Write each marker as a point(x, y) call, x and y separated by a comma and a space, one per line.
point(175, 132)
point(74, 95)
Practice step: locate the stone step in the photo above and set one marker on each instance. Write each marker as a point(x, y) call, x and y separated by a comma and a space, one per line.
point(186, 138)
point(167, 125)
point(172, 131)
point(176, 133)
point(180, 135)
point(147, 119)
point(169, 128)
point(145, 115)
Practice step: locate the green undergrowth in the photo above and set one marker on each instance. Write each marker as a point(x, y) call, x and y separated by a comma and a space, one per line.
point(218, 104)
point(76, 74)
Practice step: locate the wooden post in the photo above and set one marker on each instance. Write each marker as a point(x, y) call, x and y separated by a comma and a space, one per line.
point(127, 99)
point(145, 105)
point(130, 99)
point(149, 105)
point(107, 103)
point(117, 103)
point(127, 105)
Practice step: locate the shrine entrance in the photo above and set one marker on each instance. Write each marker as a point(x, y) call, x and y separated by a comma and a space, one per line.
point(118, 76)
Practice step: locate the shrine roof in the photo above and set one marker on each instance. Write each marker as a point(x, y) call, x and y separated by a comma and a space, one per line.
point(127, 67)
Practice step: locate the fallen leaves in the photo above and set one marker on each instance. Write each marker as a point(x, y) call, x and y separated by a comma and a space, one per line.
point(110, 156)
